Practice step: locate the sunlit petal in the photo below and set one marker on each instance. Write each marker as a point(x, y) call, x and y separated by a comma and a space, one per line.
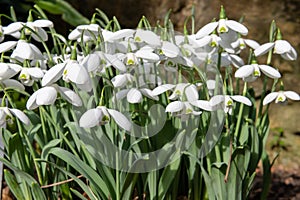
point(175, 106)
point(20, 115)
point(263, 49)
point(134, 96)
point(53, 74)
point(269, 71)
point(242, 99)
point(206, 30)
point(91, 118)
point(270, 97)
point(236, 26)
point(120, 119)
point(292, 95)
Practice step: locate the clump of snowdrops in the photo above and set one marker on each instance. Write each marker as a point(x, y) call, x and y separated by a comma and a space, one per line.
point(112, 113)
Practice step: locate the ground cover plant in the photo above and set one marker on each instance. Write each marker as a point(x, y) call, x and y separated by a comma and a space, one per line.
point(149, 113)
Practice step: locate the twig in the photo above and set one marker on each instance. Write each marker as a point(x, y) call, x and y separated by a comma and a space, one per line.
point(229, 163)
point(60, 183)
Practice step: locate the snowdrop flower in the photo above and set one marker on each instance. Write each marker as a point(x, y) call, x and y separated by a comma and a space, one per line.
point(27, 76)
point(95, 62)
point(37, 32)
point(87, 31)
point(121, 80)
point(182, 109)
point(148, 37)
point(241, 44)
point(9, 112)
point(4, 30)
point(101, 115)
point(26, 51)
point(70, 71)
point(135, 95)
point(7, 71)
point(48, 95)
point(281, 47)
point(251, 72)
point(280, 97)
point(226, 102)
point(222, 26)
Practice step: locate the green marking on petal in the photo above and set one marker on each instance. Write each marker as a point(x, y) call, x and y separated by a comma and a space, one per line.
point(177, 92)
point(65, 72)
point(23, 76)
point(229, 103)
point(137, 39)
point(105, 118)
point(213, 44)
point(256, 73)
point(130, 62)
point(102, 62)
point(188, 111)
point(222, 30)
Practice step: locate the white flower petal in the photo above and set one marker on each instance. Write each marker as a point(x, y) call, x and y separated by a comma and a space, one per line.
point(282, 46)
point(169, 49)
point(291, 55)
point(148, 93)
point(270, 97)
point(40, 35)
point(206, 30)
point(120, 80)
point(91, 62)
point(115, 62)
point(70, 96)
point(134, 96)
point(120, 119)
point(236, 26)
point(91, 118)
point(46, 96)
point(11, 83)
point(6, 46)
point(147, 55)
point(244, 71)
point(53, 74)
point(20, 115)
point(42, 23)
point(269, 71)
point(236, 60)
point(263, 49)
point(292, 95)
point(13, 27)
point(76, 73)
point(23, 51)
point(121, 94)
point(122, 34)
point(31, 102)
point(251, 43)
point(205, 105)
point(191, 93)
point(175, 106)
point(242, 99)
point(148, 36)
point(162, 88)
point(8, 70)
point(204, 41)
point(74, 35)
point(35, 72)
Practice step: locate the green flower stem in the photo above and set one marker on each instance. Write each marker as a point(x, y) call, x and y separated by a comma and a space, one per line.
point(59, 131)
point(240, 116)
point(31, 150)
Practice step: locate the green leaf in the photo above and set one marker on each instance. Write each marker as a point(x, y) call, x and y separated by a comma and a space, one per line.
point(13, 184)
point(78, 194)
point(37, 192)
point(167, 178)
point(60, 7)
point(83, 169)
